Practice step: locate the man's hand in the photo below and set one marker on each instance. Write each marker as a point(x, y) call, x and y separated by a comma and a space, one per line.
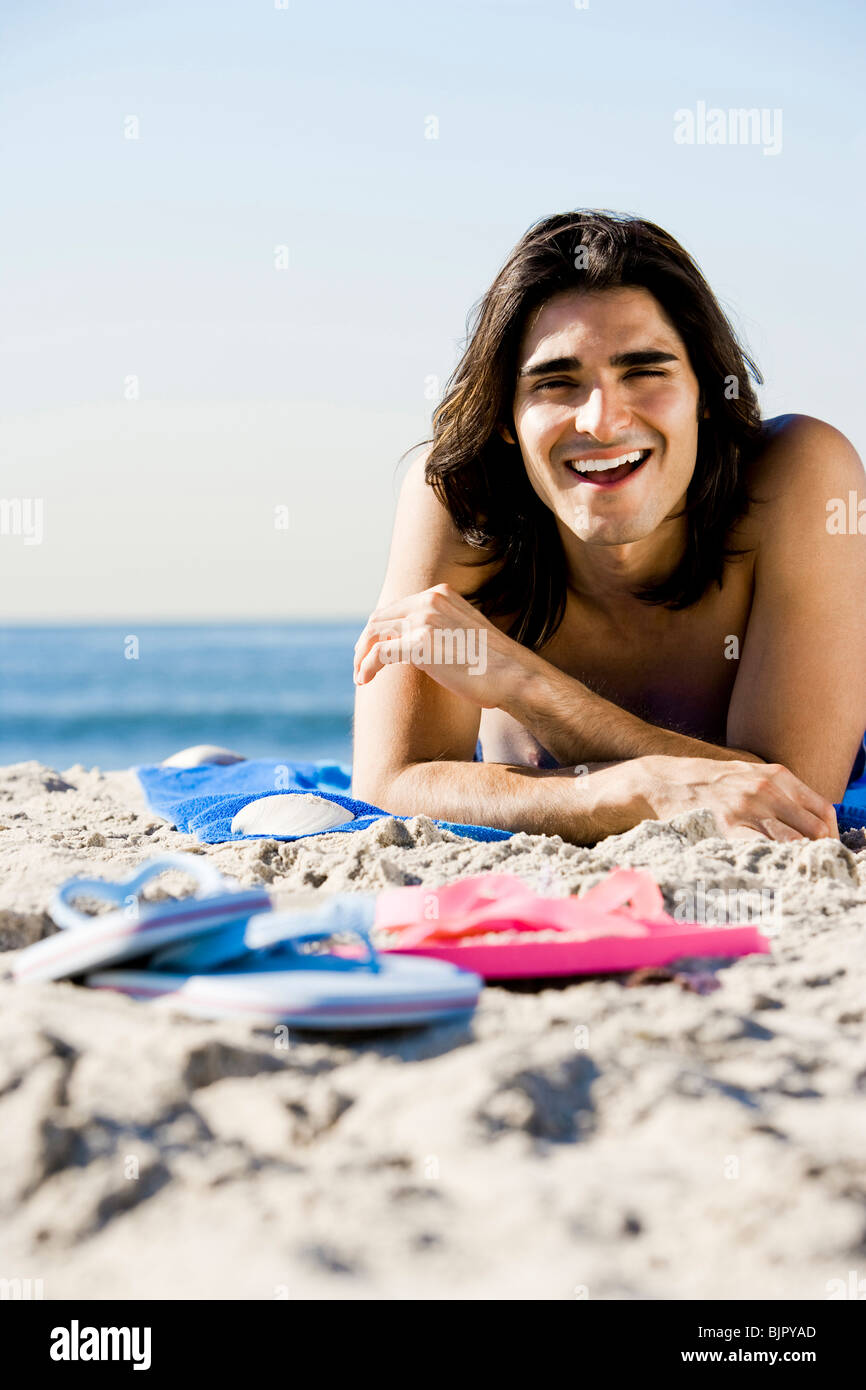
point(747, 799)
point(442, 634)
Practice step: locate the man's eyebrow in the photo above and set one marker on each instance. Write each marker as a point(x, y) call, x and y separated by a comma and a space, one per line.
point(643, 357)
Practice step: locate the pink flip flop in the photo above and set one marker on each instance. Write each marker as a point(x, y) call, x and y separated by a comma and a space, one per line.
point(620, 924)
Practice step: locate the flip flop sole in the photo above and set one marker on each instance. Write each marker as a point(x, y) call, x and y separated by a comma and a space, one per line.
point(114, 937)
point(599, 956)
point(305, 998)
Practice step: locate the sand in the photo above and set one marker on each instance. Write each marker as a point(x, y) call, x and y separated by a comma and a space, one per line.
point(601, 1139)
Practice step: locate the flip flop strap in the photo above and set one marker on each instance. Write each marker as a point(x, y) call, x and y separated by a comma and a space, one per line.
point(290, 930)
point(209, 879)
point(624, 886)
point(602, 910)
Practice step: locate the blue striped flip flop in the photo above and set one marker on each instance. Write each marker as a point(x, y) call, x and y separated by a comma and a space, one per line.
point(289, 978)
point(136, 927)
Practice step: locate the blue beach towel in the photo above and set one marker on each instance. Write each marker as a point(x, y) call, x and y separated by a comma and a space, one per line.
point(203, 801)
point(851, 811)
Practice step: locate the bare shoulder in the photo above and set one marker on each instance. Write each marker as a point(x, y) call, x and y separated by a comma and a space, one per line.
point(426, 546)
point(807, 471)
point(802, 465)
point(803, 456)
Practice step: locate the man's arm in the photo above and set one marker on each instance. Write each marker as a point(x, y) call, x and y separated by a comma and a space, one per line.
point(800, 693)
point(581, 808)
point(576, 725)
point(414, 740)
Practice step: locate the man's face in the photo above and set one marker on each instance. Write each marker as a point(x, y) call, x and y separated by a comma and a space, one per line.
point(602, 376)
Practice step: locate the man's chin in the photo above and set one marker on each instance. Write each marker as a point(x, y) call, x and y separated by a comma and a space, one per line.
point(605, 530)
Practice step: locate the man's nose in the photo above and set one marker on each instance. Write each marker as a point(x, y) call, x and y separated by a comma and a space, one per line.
point(602, 414)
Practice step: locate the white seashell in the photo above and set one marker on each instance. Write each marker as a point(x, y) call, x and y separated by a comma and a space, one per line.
point(202, 753)
point(298, 813)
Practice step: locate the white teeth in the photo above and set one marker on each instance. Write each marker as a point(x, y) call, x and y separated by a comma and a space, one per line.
point(602, 465)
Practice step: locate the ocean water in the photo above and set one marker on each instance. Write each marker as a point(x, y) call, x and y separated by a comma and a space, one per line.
point(87, 695)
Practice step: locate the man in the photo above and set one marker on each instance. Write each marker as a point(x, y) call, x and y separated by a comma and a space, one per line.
point(661, 616)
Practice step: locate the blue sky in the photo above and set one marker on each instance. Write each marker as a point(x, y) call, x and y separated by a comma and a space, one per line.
point(148, 265)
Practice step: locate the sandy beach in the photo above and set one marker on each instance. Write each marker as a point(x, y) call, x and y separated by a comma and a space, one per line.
point(600, 1139)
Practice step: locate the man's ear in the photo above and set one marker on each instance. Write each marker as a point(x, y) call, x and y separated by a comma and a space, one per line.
point(506, 434)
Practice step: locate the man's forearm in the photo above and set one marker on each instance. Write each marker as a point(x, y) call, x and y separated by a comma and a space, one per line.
point(577, 726)
point(580, 808)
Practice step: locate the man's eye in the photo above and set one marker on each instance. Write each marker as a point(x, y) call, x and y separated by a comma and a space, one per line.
point(645, 371)
point(551, 385)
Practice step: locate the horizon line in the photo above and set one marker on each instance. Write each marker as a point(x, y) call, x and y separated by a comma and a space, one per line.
point(180, 622)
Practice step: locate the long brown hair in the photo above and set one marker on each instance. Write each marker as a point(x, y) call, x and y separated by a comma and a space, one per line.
point(482, 480)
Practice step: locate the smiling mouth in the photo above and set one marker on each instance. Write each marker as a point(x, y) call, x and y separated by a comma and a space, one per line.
point(606, 472)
